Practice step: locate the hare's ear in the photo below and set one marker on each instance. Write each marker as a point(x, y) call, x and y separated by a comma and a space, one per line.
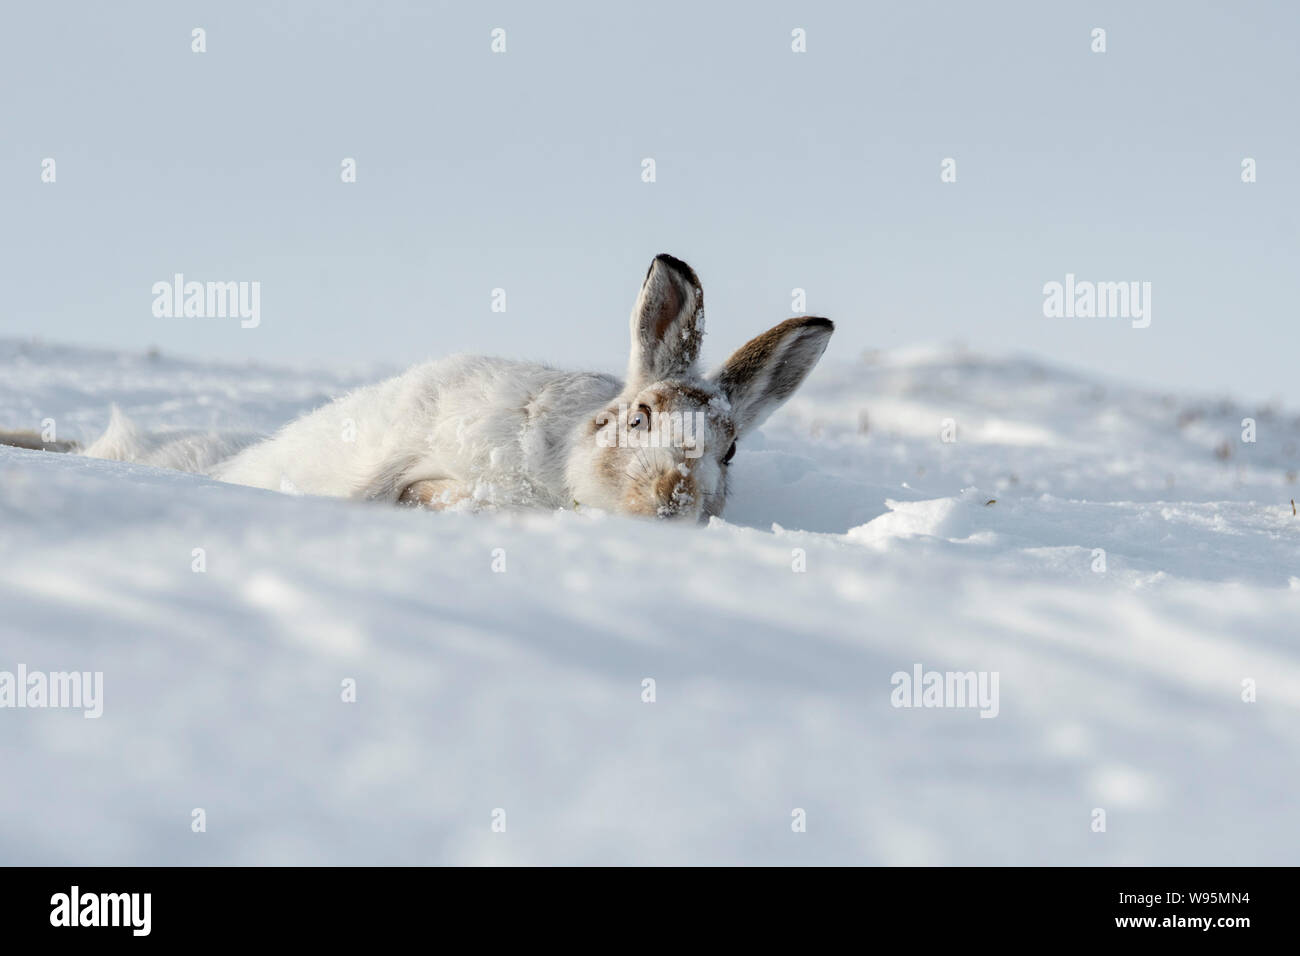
point(667, 322)
point(766, 370)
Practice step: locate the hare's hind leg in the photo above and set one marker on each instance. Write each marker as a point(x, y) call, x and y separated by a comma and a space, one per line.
point(436, 494)
point(35, 442)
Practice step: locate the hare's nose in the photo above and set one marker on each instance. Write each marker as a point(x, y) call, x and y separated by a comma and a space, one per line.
point(676, 494)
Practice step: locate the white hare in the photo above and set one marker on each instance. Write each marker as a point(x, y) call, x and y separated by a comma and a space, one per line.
point(485, 430)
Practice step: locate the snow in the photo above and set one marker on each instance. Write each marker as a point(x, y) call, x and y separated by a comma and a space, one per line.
point(521, 689)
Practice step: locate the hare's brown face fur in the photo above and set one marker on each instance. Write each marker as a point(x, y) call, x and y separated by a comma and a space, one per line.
point(663, 447)
point(666, 448)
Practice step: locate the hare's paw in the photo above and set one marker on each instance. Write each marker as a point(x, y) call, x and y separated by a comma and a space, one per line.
point(435, 494)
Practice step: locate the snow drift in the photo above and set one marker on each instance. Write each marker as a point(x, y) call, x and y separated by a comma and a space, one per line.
point(1122, 560)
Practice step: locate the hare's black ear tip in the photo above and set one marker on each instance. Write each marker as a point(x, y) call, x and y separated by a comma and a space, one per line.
point(674, 264)
point(818, 322)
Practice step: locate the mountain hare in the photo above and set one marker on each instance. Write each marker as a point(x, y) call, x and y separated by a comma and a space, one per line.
point(476, 430)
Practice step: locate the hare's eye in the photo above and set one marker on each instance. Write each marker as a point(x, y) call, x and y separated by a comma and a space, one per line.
point(639, 418)
point(731, 453)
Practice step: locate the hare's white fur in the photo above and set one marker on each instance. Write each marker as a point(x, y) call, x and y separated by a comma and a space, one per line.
point(503, 428)
point(523, 434)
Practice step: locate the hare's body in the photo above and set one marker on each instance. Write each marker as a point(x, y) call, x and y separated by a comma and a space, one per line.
point(521, 434)
point(496, 429)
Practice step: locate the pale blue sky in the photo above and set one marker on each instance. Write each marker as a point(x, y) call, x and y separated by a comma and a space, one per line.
point(775, 170)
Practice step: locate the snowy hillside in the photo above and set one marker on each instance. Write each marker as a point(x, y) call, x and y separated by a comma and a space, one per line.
point(1121, 559)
